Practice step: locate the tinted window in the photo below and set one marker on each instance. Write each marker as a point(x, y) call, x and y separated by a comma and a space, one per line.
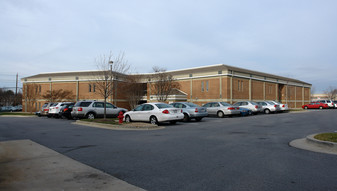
point(163, 105)
point(98, 104)
point(237, 103)
point(215, 105)
point(148, 107)
point(45, 105)
point(82, 104)
point(244, 103)
point(109, 105)
point(253, 103)
point(225, 104)
point(192, 105)
point(139, 108)
point(206, 105)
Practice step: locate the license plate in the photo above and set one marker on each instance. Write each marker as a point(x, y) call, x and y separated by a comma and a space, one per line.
point(174, 111)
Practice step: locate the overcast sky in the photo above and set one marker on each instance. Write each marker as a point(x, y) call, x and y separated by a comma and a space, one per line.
point(291, 38)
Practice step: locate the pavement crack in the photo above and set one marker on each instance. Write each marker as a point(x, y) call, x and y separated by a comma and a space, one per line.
point(77, 148)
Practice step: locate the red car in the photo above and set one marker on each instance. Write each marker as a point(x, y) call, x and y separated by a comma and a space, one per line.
point(315, 105)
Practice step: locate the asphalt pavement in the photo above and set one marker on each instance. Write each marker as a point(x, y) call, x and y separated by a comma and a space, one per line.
point(239, 153)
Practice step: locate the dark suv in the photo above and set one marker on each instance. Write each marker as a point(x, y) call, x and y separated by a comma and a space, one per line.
point(95, 109)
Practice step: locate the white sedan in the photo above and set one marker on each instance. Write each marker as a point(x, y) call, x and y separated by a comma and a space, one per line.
point(154, 113)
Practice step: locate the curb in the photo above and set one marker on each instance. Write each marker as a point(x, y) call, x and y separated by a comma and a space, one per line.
point(125, 127)
point(328, 145)
point(311, 144)
point(18, 116)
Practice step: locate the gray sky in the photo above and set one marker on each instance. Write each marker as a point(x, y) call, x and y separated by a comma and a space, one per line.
point(291, 38)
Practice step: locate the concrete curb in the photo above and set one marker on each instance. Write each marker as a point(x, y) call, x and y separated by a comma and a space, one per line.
point(123, 127)
point(315, 145)
point(26, 165)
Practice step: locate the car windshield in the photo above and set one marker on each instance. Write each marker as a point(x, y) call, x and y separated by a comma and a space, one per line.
point(163, 105)
point(271, 103)
point(225, 104)
point(253, 103)
point(192, 104)
point(45, 105)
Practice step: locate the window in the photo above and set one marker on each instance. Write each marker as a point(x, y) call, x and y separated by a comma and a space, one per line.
point(204, 84)
point(240, 85)
point(98, 104)
point(89, 87)
point(139, 108)
point(40, 88)
point(148, 107)
point(94, 88)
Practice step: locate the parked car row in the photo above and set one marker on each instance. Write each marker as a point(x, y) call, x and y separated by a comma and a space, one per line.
point(321, 104)
point(90, 109)
point(11, 108)
point(159, 112)
point(185, 111)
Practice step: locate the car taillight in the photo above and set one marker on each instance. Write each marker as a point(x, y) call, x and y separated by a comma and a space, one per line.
point(57, 107)
point(231, 108)
point(166, 111)
point(275, 105)
point(80, 109)
point(46, 110)
point(65, 109)
point(196, 110)
point(238, 108)
point(283, 105)
point(181, 111)
point(256, 106)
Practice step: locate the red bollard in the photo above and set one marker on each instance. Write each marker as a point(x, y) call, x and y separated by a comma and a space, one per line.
point(121, 117)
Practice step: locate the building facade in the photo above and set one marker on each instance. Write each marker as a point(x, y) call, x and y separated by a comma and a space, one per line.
point(199, 85)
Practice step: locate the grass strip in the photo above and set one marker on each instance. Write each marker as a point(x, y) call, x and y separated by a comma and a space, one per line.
point(332, 137)
point(105, 121)
point(15, 113)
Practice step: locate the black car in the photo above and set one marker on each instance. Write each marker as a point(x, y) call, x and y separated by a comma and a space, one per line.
point(65, 111)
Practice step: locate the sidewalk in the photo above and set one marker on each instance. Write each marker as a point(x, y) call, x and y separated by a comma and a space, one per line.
point(26, 165)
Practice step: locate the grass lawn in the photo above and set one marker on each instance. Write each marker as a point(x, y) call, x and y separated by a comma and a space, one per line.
point(105, 121)
point(332, 137)
point(16, 113)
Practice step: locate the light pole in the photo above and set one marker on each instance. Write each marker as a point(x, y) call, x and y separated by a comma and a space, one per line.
point(110, 63)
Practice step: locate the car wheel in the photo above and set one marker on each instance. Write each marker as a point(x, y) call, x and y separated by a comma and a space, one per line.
point(266, 111)
point(91, 116)
point(221, 114)
point(127, 119)
point(305, 107)
point(186, 118)
point(198, 118)
point(320, 107)
point(250, 112)
point(153, 120)
point(173, 122)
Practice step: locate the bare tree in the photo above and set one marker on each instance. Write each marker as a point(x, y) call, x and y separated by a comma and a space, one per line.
point(58, 95)
point(163, 83)
point(105, 79)
point(331, 93)
point(134, 90)
point(31, 95)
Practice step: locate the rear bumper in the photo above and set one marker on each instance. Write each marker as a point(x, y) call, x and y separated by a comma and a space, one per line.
point(195, 115)
point(176, 117)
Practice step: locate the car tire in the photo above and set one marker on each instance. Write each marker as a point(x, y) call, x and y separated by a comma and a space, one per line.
point(173, 122)
point(128, 119)
point(320, 107)
point(220, 114)
point(266, 111)
point(91, 116)
point(186, 118)
point(198, 118)
point(250, 112)
point(153, 120)
point(305, 107)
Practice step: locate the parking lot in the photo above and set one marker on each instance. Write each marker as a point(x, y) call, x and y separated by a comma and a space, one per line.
point(238, 153)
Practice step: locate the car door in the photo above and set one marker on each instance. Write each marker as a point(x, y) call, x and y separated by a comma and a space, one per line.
point(98, 108)
point(136, 113)
point(146, 112)
point(208, 107)
point(110, 110)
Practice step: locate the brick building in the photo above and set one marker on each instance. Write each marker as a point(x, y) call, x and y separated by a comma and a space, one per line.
point(199, 85)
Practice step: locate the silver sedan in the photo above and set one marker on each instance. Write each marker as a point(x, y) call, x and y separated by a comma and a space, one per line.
point(221, 109)
point(191, 110)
